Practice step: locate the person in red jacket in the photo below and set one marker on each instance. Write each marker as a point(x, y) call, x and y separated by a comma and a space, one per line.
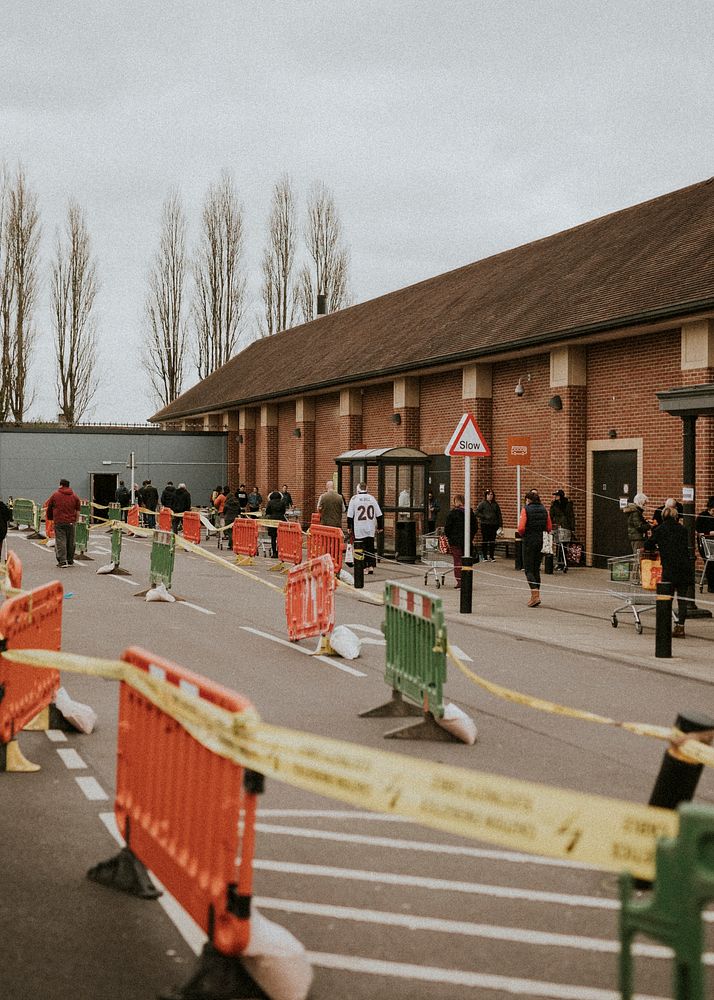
point(63, 508)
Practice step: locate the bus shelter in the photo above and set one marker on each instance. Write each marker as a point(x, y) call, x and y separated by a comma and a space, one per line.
point(397, 477)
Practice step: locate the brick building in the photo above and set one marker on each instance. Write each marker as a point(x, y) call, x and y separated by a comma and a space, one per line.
point(591, 322)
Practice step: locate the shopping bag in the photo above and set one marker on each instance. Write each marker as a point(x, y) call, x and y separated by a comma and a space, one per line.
point(349, 555)
point(547, 543)
point(574, 553)
point(650, 573)
point(443, 544)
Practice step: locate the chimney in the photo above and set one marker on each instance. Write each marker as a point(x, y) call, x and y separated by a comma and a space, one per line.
point(321, 304)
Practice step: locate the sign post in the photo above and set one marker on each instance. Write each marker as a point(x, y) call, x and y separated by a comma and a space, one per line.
point(519, 453)
point(467, 441)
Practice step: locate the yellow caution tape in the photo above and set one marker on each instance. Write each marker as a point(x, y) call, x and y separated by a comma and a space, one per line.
point(705, 755)
point(604, 832)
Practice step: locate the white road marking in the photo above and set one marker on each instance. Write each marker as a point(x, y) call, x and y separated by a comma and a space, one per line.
point(97, 551)
point(334, 814)
point(71, 759)
point(92, 789)
point(196, 607)
point(56, 736)
point(460, 653)
point(413, 922)
point(457, 977)
point(121, 579)
point(291, 645)
point(439, 885)
point(416, 845)
point(366, 628)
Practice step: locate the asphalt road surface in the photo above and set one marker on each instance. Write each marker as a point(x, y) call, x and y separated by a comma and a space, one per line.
point(386, 909)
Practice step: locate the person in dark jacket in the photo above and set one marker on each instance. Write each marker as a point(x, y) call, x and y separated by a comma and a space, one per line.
point(182, 503)
point(167, 495)
point(672, 540)
point(275, 511)
point(151, 502)
point(534, 520)
point(63, 508)
point(255, 499)
point(638, 527)
point(669, 502)
point(704, 526)
point(432, 507)
point(5, 518)
point(454, 528)
point(490, 518)
point(122, 496)
point(231, 508)
point(242, 495)
point(285, 493)
point(562, 514)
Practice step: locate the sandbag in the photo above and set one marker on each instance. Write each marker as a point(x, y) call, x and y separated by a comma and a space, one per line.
point(276, 960)
point(107, 569)
point(345, 642)
point(458, 723)
point(347, 577)
point(160, 593)
point(83, 717)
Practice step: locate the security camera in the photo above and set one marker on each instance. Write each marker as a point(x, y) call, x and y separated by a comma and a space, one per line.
point(519, 390)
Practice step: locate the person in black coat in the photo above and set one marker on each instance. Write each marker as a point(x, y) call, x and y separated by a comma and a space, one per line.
point(704, 526)
point(454, 528)
point(231, 508)
point(672, 540)
point(167, 495)
point(182, 503)
point(122, 496)
point(275, 511)
point(5, 518)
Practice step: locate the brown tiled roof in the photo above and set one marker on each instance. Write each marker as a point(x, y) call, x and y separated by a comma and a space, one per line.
point(648, 261)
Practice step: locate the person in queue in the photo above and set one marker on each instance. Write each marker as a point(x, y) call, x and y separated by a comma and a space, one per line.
point(331, 506)
point(167, 495)
point(669, 502)
point(672, 540)
point(454, 528)
point(364, 520)
point(562, 513)
point(150, 500)
point(275, 511)
point(285, 493)
point(5, 518)
point(432, 511)
point(242, 495)
point(231, 508)
point(638, 527)
point(533, 521)
point(63, 508)
point(255, 499)
point(182, 503)
point(490, 519)
point(704, 526)
point(122, 496)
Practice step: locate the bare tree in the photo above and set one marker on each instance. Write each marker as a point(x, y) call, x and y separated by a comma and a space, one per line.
point(279, 290)
point(165, 356)
point(73, 292)
point(20, 238)
point(7, 287)
point(328, 275)
point(220, 280)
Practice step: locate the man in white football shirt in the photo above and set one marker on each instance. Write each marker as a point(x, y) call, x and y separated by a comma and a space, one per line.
point(364, 520)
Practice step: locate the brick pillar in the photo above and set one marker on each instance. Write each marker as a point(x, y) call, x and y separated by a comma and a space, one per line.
point(405, 433)
point(233, 449)
point(477, 398)
point(246, 451)
point(305, 456)
point(350, 419)
point(697, 364)
point(568, 429)
point(268, 464)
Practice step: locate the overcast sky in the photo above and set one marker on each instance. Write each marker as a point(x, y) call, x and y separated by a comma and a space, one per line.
point(447, 131)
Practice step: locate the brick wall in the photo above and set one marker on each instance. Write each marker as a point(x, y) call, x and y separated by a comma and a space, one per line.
point(377, 407)
point(327, 426)
point(287, 445)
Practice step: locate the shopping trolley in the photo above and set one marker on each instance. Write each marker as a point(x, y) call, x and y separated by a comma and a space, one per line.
point(561, 538)
point(434, 554)
point(625, 574)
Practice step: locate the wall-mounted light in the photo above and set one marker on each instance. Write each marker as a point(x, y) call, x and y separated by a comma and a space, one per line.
point(612, 433)
point(396, 418)
point(520, 389)
point(297, 433)
point(240, 439)
point(106, 462)
point(555, 403)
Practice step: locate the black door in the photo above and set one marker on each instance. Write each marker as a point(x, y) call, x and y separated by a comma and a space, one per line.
point(440, 484)
point(614, 477)
point(103, 486)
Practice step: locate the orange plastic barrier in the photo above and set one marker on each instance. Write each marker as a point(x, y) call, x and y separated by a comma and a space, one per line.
point(322, 540)
point(290, 542)
point(184, 811)
point(14, 571)
point(315, 518)
point(192, 527)
point(245, 536)
point(310, 599)
point(28, 621)
point(164, 519)
point(50, 529)
point(132, 516)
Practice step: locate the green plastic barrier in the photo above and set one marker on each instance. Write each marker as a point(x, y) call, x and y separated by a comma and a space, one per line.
point(81, 536)
point(116, 546)
point(23, 512)
point(416, 645)
point(114, 512)
point(684, 884)
point(162, 558)
point(85, 510)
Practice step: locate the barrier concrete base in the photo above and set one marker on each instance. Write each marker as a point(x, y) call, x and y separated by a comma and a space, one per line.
point(50, 718)
point(13, 761)
point(427, 729)
point(125, 873)
point(397, 708)
point(218, 977)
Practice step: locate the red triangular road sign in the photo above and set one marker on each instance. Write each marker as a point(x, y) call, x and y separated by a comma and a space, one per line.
point(467, 439)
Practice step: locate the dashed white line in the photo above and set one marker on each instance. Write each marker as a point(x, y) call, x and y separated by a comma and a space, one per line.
point(196, 607)
point(121, 579)
point(92, 789)
point(291, 645)
point(71, 759)
point(56, 736)
point(366, 628)
point(460, 653)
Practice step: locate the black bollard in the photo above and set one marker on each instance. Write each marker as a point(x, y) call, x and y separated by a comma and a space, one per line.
point(358, 556)
point(663, 621)
point(519, 552)
point(467, 582)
